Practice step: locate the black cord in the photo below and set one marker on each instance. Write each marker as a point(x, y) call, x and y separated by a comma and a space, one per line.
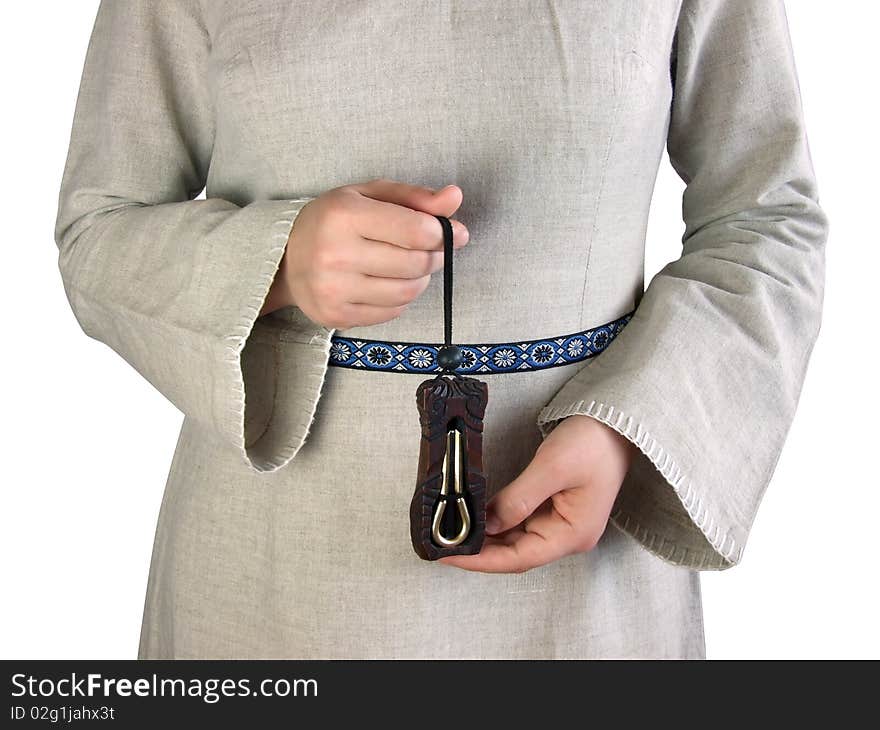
point(449, 356)
point(447, 279)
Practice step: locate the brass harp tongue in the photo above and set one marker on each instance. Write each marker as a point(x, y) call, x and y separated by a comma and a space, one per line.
point(448, 508)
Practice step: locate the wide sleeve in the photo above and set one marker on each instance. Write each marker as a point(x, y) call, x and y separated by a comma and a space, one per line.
point(706, 376)
point(172, 284)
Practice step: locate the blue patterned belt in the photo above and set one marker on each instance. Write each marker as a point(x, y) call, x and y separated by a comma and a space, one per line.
point(496, 357)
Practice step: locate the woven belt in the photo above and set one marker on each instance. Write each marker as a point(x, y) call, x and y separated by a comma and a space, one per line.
point(496, 357)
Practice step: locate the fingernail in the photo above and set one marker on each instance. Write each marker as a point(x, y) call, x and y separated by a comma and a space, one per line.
point(493, 524)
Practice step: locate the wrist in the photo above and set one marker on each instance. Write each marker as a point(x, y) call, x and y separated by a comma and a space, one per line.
point(279, 294)
point(625, 448)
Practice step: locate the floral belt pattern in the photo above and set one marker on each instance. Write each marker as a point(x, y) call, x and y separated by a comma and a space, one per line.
point(496, 357)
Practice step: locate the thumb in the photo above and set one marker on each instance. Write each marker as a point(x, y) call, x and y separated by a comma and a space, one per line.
point(519, 499)
point(444, 201)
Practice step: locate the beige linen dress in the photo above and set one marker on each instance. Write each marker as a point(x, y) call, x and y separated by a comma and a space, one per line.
point(284, 527)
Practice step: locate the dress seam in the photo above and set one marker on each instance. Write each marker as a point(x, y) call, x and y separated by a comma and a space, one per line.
point(615, 115)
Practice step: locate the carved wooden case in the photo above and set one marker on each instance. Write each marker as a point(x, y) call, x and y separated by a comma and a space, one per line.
point(447, 404)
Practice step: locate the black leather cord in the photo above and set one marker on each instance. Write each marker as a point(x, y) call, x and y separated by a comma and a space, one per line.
point(449, 357)
point(447, 279)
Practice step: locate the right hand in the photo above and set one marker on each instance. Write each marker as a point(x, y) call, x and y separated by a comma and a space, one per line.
point(360, 253)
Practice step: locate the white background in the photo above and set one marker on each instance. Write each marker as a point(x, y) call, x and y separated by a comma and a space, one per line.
point(75, 537)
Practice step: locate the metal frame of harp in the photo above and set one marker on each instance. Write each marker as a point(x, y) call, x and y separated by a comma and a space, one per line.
point(448, 509)
point(452, 495)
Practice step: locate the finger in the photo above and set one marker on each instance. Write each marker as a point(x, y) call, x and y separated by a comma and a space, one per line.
point(385, 292)
point(546, 537)
point(515, 502)
point(361, 315)
point(404, 227)
point(444, 201)
point(378, 258)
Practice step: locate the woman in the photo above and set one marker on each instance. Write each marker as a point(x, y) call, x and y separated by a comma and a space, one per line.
point(329, 138)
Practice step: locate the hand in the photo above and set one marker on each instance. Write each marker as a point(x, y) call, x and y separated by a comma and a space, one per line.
point(359, 254)
point(559, 504)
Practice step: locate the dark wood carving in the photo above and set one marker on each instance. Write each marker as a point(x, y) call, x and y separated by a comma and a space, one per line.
point(446, 403)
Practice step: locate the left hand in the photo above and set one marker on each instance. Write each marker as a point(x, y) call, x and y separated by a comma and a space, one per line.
point(559, 504)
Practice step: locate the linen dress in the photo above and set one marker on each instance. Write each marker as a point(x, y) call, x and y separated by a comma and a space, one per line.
point(283, 531)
